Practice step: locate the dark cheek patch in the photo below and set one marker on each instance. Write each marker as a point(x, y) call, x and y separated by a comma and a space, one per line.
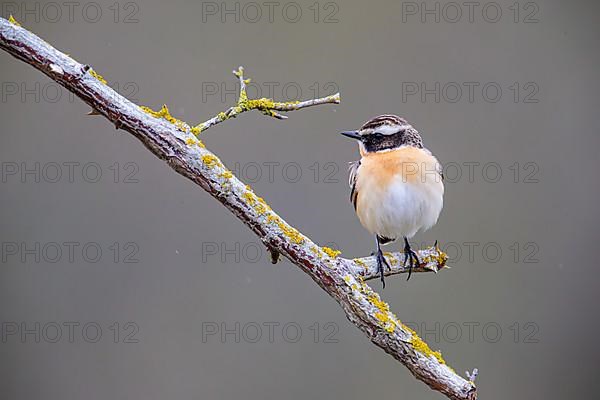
point(379, 142)
point(382, 143)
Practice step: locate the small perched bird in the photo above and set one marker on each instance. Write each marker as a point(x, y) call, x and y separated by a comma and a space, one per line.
point(396, 187)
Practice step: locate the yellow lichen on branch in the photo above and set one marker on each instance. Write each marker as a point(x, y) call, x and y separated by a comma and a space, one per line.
point(97, 76)
point(439, 258)
point(360, 262)
point(419, 345)
point(226, 175)
point(193, 141)
point(291, 233)
point(389, 321)
point(258, 203)
point(183, 126)
point(265, 105)
point(391, 258)
point(211, 161)
point(13, 21)
point(165, 114)
point(331, 252)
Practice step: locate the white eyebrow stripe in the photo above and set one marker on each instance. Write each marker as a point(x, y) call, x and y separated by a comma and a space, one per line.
point(390, 129)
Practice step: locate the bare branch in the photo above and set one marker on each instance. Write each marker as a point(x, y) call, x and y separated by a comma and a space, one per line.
point(173, 142)
point(267, 106)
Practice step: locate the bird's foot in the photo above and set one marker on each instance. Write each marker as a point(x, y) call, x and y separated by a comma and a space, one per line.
point(381, 261)
point(411, 256)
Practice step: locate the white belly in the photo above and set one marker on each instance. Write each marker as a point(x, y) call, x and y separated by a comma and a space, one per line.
point(401, 208)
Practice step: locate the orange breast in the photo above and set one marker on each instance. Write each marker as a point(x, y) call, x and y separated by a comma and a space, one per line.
point(412, 164)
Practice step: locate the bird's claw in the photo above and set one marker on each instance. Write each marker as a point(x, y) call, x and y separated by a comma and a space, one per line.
point(411, 256)
point(381, 261)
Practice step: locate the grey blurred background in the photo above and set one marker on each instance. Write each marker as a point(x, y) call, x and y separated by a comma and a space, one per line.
point(166, 295)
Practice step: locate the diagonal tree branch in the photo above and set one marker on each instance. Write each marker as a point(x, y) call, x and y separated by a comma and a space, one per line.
point(177, 145)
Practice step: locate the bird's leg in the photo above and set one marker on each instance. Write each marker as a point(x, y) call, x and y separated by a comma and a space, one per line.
point(414, 259)
point(381, 261)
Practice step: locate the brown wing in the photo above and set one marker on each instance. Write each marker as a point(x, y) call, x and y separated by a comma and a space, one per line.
point(352, 181)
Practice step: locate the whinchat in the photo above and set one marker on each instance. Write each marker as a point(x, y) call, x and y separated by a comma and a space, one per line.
point(397, 186)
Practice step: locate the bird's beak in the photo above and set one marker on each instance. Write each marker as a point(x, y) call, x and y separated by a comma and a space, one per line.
point(351, 134)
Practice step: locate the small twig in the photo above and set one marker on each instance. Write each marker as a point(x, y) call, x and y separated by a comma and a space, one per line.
point(266, 106)
point(472, 375)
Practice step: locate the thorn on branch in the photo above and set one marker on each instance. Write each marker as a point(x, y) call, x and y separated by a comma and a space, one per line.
point(56, 69)
point(472, 375)
point(274, 255)
point(118, 123)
